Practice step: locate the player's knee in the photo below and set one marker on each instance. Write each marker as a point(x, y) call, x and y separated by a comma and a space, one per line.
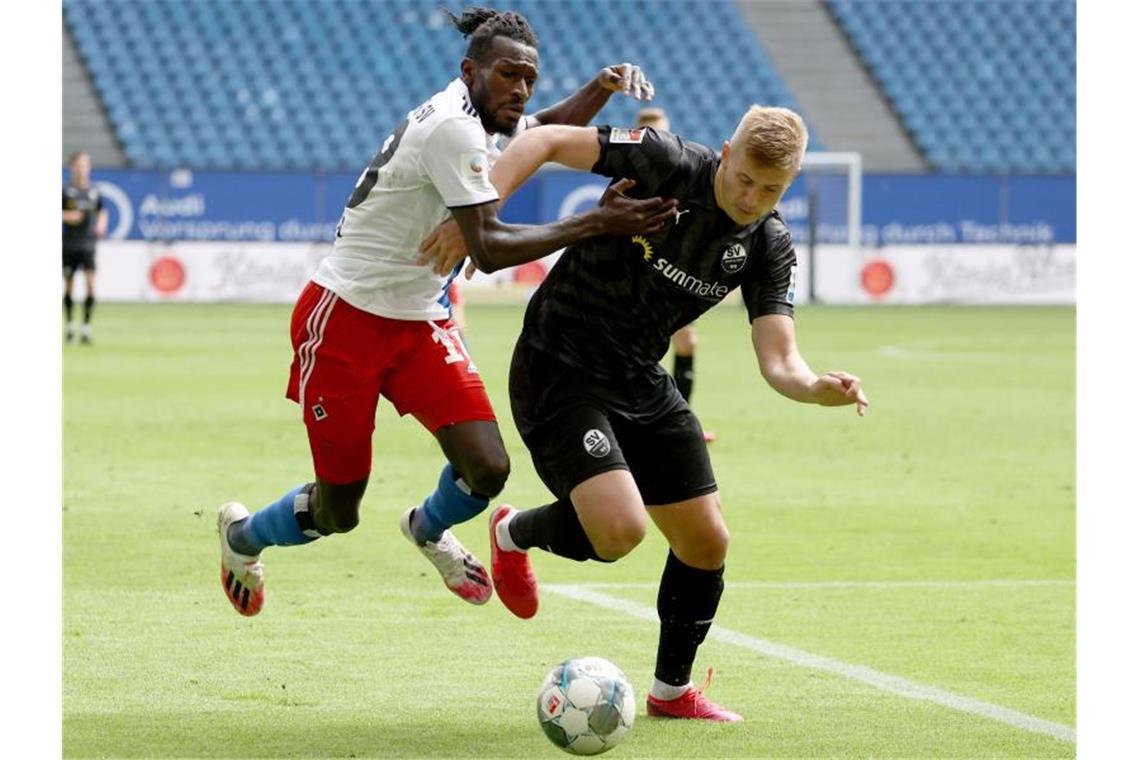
point(706, 549)
point(487, 474)
point(336, 515)
point(685, 341)
point(619, 540)
point(337, 522)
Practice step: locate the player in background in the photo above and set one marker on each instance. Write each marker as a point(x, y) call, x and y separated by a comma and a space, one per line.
point(684, 341)
point(84, 222)
point(372, 322)
point(607, 430)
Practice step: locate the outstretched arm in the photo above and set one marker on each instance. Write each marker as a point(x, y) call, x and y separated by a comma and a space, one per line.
point(573, 147)
point(774, 341)
point(493, 244)
point(581, 107)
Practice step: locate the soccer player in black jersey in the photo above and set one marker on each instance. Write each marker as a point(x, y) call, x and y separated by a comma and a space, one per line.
point(84, 221)
point(605, 425)
point(684, 341)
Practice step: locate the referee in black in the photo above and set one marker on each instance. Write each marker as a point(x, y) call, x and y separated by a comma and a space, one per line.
point(84, 221)
point(606, 427)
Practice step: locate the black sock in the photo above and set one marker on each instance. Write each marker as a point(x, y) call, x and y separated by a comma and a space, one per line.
point(67, 304)
point(683, 374)
point(88, 307)
point(686, 604)
point(553, 528)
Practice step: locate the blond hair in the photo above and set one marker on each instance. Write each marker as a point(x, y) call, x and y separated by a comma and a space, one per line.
point(772, 136)
point(653, 117)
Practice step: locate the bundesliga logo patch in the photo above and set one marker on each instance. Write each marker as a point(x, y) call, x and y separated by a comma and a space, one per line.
point(475, 170)
point(319, 412)
point(627, 136)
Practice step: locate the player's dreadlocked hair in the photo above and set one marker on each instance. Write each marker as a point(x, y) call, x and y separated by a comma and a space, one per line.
point(482, 25)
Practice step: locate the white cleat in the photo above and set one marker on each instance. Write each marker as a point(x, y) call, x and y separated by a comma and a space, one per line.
point(243, 577)
point(463, 575)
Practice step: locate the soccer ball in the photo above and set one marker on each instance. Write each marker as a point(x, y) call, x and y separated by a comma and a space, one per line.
point(586, 705)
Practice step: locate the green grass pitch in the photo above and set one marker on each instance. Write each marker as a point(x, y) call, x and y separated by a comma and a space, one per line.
point(872, 542)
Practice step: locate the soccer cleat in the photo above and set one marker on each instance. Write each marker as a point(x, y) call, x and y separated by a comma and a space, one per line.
point(69, 336)
point(692, 704)
point(464, 575)
point(243, 577)
point(514, 579)
point(85, 335)
point(709, 436)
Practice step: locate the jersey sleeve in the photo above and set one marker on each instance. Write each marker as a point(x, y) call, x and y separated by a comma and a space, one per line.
point(654, 159)
point(771, 285)
point(456, 159)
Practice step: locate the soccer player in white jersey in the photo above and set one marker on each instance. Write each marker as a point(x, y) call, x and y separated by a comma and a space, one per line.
point(373, 322)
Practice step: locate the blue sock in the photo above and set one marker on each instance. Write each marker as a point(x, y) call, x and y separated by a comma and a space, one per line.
point(275, 525)
point(450, 504)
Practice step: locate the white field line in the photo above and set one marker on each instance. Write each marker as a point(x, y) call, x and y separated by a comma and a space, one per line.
point(889, 683)
point(949, 584)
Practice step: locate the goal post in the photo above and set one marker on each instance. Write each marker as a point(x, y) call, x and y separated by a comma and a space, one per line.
point(824, 209)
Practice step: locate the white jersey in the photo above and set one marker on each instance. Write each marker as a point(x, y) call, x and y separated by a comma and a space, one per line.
point(440, 157)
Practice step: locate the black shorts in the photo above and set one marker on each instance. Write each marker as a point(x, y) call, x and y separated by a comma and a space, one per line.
point(76, 260)
point(577, 426)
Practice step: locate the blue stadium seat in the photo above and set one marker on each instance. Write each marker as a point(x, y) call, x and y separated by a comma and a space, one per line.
point(1011, 63)
point(323, 81)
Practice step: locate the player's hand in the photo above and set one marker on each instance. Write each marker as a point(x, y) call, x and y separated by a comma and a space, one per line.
point(627, 79)
point(840, 389)
point(443, 248)
point(622, 215)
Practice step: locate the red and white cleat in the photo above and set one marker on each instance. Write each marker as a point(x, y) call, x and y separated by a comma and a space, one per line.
point(463, 575)
point(693, 704)
point(243, 577)
point(514, 579)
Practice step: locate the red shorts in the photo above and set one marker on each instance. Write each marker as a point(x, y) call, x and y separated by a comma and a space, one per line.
point(345, 358)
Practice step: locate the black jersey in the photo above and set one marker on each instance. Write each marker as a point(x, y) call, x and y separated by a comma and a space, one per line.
point(81, 237)
point(610, 304)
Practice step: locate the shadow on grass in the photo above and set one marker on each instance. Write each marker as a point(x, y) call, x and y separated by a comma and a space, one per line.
point(248, 733)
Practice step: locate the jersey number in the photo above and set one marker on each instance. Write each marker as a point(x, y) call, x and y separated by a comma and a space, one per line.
point(453, 344)
point(368, 177)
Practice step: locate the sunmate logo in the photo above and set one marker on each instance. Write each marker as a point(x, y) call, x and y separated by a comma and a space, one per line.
point(694, 285)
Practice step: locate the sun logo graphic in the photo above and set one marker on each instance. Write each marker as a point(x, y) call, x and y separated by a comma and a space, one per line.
point(646, 247)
